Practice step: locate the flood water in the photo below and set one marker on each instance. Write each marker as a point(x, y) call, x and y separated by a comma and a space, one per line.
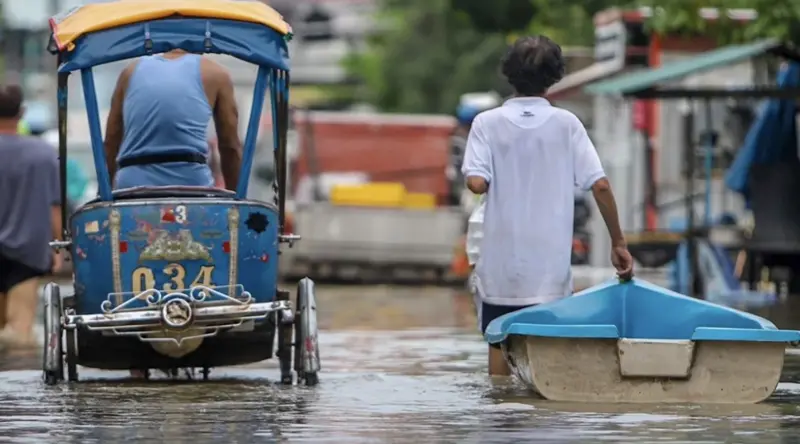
point(400, 365)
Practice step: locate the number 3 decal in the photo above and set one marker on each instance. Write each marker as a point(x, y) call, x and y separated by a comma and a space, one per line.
point(143, 278)
point(180, 214)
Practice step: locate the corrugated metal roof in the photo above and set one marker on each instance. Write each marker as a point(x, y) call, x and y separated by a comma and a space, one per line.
point(645, 79)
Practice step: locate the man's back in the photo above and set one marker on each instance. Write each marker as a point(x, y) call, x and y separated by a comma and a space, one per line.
point(166, 111)
point(160, 111)
point(534, 154)
point(29, 187)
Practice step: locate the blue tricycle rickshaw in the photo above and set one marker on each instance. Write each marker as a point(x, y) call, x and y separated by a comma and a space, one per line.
point(177, 277)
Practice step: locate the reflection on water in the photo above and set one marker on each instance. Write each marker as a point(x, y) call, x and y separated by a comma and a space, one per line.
point(399, 365)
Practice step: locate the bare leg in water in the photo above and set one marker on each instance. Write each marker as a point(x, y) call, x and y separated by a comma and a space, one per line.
point(20, 312)
point(497, 363)
point(2, 315)
point(3, 305)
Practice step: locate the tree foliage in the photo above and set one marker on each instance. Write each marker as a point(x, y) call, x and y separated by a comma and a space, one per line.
point(775, 19)
point(426, 58)
point(432, 51)
point(497, 15)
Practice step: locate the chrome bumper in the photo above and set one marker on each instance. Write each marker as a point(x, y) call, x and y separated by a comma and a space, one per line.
point(194, 313)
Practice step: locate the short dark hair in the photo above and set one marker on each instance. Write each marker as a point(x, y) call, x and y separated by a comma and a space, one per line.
point(533, 64)
point(10, 100)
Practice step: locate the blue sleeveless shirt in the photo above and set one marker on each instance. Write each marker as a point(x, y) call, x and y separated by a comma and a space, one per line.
point(165, 111)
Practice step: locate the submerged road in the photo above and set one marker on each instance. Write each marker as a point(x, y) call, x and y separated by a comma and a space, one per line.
point(400, 365)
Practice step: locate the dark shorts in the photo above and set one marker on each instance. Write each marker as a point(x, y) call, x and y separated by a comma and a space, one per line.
point(13, 273)
point(491, 312)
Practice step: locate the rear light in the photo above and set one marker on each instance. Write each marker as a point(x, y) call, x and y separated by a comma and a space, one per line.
point(288, 224)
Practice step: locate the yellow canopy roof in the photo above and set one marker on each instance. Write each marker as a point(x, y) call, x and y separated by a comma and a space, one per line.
point(100, 16)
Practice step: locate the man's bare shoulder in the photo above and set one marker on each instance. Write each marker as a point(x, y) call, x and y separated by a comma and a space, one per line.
point(128, 70)
point(214, 69)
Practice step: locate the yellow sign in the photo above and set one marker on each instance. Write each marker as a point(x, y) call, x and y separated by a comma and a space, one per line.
point(143, 278)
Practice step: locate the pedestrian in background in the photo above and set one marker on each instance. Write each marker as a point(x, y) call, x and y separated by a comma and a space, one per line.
point(30, 217)
point(527, 156)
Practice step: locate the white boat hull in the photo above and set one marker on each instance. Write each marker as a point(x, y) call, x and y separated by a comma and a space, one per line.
point(626, 371)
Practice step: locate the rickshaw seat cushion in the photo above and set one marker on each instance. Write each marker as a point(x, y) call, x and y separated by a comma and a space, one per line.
point(170, 191)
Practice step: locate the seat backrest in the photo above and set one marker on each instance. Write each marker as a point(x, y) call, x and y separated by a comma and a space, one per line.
point(169, 191)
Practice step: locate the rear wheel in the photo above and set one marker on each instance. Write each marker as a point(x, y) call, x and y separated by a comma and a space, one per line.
point(72, 356)
point(71, 339)
point(285, 332)
point(306, 354)
point(53, 359)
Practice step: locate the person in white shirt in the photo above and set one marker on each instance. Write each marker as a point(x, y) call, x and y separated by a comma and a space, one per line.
point(527, 156)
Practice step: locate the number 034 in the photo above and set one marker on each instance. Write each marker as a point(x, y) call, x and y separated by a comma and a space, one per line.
point(144, 278)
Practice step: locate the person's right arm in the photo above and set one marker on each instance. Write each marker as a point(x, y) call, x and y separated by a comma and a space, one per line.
point(589, 175)
point(226, 121)
point(477, 167)
point(601, 190)
point(114, 124)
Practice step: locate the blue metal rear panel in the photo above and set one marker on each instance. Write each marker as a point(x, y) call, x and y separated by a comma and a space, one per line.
point(171, 245)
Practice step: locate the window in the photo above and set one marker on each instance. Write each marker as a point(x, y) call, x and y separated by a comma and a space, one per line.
point(317, 26)
point(638, 44)
point(730, 125)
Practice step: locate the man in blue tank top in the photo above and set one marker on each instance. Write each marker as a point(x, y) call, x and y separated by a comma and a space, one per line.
point(159, 117)
point(160, 112)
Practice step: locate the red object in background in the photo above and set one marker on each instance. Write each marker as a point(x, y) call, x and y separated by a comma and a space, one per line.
point(123, 247)
point(226, 247)
point(288, 224)
point(411, 149)
point(640, 115)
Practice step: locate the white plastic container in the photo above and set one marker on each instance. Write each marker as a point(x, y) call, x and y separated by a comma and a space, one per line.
point(475, 233)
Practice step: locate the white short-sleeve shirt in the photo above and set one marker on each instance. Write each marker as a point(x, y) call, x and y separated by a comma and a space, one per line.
point(533, 155)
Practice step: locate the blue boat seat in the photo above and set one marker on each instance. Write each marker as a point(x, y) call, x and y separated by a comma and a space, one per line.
point(169, 191)
point(636, 310)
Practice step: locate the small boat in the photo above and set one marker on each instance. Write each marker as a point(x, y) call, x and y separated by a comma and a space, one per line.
point(634, 342)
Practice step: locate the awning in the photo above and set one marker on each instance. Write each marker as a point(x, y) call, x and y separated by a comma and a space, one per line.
point(597, 71)
point(772, 137)
point(86, 19)
point(644, 83)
